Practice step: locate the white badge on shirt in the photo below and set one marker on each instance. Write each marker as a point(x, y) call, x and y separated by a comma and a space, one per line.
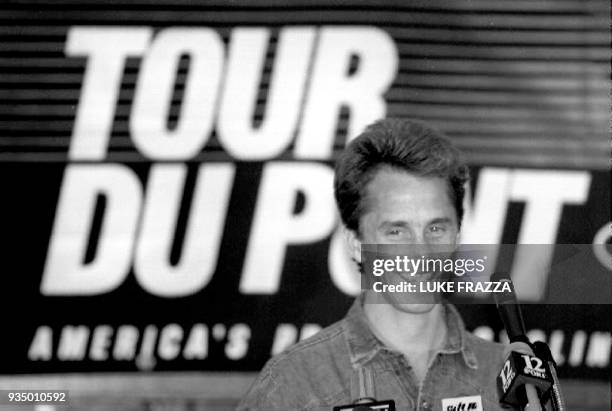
point(470, 403)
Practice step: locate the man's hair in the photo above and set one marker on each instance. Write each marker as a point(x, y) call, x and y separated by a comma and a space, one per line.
point(408, 145)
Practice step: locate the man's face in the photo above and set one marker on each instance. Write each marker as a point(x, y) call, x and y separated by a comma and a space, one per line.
point(401, 208)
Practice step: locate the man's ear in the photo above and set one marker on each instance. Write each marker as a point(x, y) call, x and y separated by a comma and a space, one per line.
point(353, 242)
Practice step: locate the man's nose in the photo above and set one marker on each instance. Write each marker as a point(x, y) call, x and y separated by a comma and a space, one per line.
point(422, 240)
point(421, 248)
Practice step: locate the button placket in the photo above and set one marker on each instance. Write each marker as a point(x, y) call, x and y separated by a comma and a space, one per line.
point(401, 370)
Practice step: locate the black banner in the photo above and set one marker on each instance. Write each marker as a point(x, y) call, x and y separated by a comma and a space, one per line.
point(167, 167)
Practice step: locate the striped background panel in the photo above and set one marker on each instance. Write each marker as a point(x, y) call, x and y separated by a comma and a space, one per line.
point(514, 83)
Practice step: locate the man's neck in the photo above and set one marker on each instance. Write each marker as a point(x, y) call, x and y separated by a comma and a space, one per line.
point(407, 332)
point(418, 336)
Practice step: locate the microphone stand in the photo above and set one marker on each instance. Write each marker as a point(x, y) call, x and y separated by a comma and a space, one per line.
point(557, 400)
point(512, 318)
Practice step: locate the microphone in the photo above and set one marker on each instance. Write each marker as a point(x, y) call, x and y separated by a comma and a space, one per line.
point(524, 377)
point(556, 397)
point(510, 313)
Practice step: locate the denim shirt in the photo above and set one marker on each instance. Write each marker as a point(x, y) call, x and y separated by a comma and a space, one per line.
point(320, 372)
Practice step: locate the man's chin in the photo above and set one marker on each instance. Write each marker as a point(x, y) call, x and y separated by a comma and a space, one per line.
point(413, 303)
point(415, 308)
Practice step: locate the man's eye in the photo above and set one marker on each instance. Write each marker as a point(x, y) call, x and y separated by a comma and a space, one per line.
point(437, 229)
point(394, 231)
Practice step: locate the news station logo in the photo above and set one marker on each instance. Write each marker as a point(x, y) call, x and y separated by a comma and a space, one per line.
point(520, 370)
point(533, 366)
point(507, 375)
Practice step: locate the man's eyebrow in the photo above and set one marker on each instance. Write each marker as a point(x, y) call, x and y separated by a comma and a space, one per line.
point(394, 223)
point(441, 220)
point(404, 223)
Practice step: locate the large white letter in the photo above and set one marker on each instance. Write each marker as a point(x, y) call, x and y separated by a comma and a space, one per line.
point(106, 49)
point(148, 122)
point(42, 344)
point(65, 272)
point(285, 90)
point(485, 217)
point(544, 193)
point(332, 85)
point(275, 224)
point(202, 237)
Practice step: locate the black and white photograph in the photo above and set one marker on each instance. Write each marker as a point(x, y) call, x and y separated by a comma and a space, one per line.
point(276, 205)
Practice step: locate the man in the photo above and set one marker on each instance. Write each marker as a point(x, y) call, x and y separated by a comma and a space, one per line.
point(399, 182)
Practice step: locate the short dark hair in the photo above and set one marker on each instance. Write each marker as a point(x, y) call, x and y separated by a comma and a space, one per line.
point(409, 145)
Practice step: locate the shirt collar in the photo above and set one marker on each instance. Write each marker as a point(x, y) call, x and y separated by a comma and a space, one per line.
point(363, 344)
